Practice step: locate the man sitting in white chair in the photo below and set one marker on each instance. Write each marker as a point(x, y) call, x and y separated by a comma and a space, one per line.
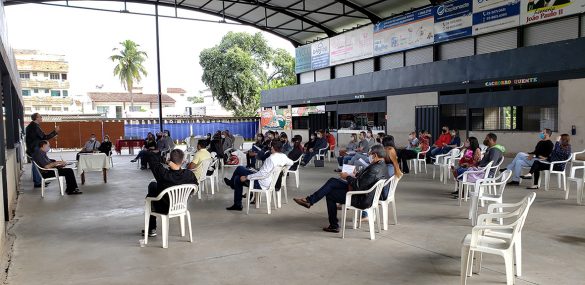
point(242, 174)
point(43, 161)
point(165, 177)
point(92, 145)
point(335, 189)
point(197, 163)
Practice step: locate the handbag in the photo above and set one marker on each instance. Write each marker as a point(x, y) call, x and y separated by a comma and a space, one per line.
point(319, 163)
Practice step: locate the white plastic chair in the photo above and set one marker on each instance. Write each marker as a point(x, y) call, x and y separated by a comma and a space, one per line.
point(480, 241)
point(283, 188)
point(575, 161)
point(322, 153)
point(44, 180)
point(384, 204)
point(372, 210)
point(205, 165)
point(561, 174)
point(579, 181)
point(178, 197)
point(270, 192)
point(479, 196)
point(238, 142)
point(296, 172)
point(444, 163)
point(462, 182)
point(420, 160)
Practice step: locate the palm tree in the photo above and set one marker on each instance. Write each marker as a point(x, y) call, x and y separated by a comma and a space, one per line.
point(129, 66)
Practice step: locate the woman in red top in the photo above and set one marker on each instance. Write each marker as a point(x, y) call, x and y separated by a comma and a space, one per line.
point(471, 157)
point(330, 140)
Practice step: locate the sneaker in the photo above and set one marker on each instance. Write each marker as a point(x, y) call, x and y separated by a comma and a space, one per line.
point(337, 170)
point(331, 229)
point(528, 176)
point(134, 160)
point(513, 183)
point(227, 182)
point(151, 233)
point(234, 208)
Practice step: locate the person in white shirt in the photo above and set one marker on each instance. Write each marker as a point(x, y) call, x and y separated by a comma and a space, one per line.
point(242, 175)
point(92, 145)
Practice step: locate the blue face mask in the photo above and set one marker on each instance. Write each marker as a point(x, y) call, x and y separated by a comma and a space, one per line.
point(541, 136)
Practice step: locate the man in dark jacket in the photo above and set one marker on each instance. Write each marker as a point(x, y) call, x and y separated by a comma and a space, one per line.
point(335, 189)
point(320, 143)
point(34, 135)
point(166, 177)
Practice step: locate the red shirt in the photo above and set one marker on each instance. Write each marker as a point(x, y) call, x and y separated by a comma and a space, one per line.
point(443, 140)
point(331, 141)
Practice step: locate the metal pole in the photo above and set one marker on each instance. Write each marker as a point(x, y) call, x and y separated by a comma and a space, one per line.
point(160, 112)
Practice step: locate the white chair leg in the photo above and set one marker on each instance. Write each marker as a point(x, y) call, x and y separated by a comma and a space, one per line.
point(201, 189)
point(394, 212)
point(62, 185)
point(546, 180)
point(385, 216)
point(464, 263)
point(268, 206)
point(343, 218)
point(509, 268)
point(518, 256)
point(165, 231)
point(377, 214)
point(43, 188)
point(371, 216)
point(579, 192)
point(212, 184)
point(278, 200)
point(355, 219)
point(146, 221)
point(248, 202)
point(189, 225)
point(297, 179)
point(182, 224)
point(563, 181)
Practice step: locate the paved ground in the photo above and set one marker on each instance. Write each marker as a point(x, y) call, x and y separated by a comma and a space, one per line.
point(93, 239)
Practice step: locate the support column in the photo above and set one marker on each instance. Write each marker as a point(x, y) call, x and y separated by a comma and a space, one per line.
point(160, 112)
point(6, 90)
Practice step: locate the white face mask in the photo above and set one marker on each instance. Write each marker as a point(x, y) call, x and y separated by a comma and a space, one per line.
point(371, 158)
point(92, 139)
point(223, 136)
point(47, 148)
point(106, 140)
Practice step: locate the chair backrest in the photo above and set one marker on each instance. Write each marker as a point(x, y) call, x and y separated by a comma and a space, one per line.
point(391, 182)
point(276, 172)
point(238, 142)
point(499, 182)
point(423, 153)
point(178, 197)
point(324, 150)
point(205, 165)
point(528, 200)
point(575, 154)
point(378, 188)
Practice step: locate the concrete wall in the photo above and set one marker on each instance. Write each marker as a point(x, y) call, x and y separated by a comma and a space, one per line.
point(513, 141)
point(12, 178)
point(401, 113)
point(571, 104)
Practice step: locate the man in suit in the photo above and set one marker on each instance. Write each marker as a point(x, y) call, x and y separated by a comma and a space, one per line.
point(34, 135)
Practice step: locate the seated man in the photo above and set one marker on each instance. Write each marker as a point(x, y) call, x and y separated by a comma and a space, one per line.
point(437, 148)
point(242, 175)
point(106, 146)
point(320, 143)
point(410, 152)
point(42, 160)
point(256, 148)
point(149, 146)
point(335, 189)
point(165, 177)
point(349, 150)
point(494, 153)
point(542, 151)
point(561, 152)
point(90, 146)
point(197, 163)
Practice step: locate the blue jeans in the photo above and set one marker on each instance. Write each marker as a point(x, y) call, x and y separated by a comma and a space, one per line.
point(308, 156)
point(36, 175)
point(238, 185)
point(521, 160)
point(334, 191)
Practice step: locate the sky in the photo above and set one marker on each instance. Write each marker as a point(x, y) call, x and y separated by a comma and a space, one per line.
point(87, 38)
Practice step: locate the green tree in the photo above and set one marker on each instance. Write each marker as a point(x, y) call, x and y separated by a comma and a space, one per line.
point(129, 68)
point(240, 67)
point(195, 99)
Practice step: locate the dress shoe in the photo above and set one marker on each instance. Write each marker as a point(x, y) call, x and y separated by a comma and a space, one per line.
point(337, 170)
point(234, 208)
point(74, 192)
point(331, 229)
point(513, 183)
point(303, 202)
point(228, 182)
point(526, 176)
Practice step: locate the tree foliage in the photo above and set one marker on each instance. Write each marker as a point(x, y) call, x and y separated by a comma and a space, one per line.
point(240, 67)
point(129, 68)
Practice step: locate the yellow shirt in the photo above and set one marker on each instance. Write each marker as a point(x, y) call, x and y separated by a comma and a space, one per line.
point(198, 158)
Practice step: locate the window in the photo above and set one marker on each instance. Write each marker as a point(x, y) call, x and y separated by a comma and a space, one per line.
point(34, 74)
point(453, 115)
point(520, 118)
point(24, 75)
point(55, 93)
point(46, 74)
point(36, 91)
point(56, 109)
point(27, 109)
point(103, 109)
point(64, 76)
point(300, 123)
point(46, 91)
point(65, 109)
point(25, 92)
point(135, 108)
point(65, 93)
point(55, 76)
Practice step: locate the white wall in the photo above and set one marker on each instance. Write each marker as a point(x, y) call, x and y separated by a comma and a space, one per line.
point(401, 113)
point(571, 104)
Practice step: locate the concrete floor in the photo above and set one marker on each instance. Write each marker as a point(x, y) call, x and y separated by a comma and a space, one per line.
point(94, 239)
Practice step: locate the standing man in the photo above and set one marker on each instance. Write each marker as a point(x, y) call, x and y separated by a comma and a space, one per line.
point(34, 136)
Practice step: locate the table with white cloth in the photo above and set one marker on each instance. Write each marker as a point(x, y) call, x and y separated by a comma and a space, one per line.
point(93, 162)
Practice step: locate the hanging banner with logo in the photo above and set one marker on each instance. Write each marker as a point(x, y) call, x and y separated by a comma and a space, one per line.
point(305, 111)
point(407, 31)
point(280, 119)
point(320, 54)
point(533, 11)
point(495, 15)
point(452, 20)
point(303, 59)
point(351, 46)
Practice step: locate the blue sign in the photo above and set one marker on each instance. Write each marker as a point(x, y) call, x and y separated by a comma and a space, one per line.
point(495, 16)
point(403, 19)
point(406, 31)
point(453, 20)
point(320, 54)
point(303, 59)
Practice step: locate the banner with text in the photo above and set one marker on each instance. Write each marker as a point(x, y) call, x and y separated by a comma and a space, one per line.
point(533, 11)
point(320, 54)
point(351, 46)
point(490, 16)
point(452, 20)
point(407, 31)
point(280, 119)
point(303, 59)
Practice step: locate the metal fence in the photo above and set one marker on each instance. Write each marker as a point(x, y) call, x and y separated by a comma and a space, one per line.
point(179, 131)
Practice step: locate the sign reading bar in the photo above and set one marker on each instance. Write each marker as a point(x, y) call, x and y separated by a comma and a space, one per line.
point(533, 11)
point(407, 31)
point(303, 59)
point(320, 54)
point(490, 16)
point(452, 20)
point(351, 46)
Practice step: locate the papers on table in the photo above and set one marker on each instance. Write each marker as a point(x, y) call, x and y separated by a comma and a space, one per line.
point(348, 169)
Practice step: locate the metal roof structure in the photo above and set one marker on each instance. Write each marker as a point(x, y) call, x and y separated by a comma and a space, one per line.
point(299, 21)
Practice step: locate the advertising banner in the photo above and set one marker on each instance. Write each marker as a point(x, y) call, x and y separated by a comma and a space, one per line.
point(452, 20)
point(490, 16)
point(351, 46)
point(407, 31)
point(320, 54)
point(533, 11)
point(280, 119)
point(303, 59)
point(305, 111)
